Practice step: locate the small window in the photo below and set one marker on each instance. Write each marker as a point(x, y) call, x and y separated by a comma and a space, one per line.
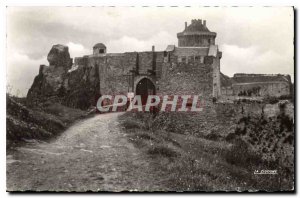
point(183, 59)
point(197, 59)
point(191, 59)
point(101, 51)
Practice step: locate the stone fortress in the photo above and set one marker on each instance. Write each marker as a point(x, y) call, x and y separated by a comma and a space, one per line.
point(191, 68)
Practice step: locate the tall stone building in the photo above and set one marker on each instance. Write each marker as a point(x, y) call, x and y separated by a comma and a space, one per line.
point(197, 44)
point(192, 68)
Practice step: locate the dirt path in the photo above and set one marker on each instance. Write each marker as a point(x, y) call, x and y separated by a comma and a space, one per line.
point(91, 155)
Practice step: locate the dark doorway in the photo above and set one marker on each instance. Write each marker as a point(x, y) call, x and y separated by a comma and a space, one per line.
point(144, 88)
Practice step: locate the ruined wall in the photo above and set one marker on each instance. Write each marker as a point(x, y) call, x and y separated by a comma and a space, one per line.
point(253, 108)
point(263, 89)
point(261, 85)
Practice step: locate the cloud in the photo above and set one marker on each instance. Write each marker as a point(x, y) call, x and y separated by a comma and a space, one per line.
point(77, 50)
point(237, 59)
point(127, 43)
point(21, 71)
point(256, 40)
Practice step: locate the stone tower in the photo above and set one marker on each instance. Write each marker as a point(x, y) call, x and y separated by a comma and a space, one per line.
point(99, 49)
point(196, 43)
point(196, 35)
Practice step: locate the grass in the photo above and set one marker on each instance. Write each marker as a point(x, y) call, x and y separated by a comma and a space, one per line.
point(205, 162)
point(37, 123)
point(163, 151)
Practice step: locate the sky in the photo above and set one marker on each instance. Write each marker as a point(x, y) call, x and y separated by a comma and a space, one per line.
point(252, 39)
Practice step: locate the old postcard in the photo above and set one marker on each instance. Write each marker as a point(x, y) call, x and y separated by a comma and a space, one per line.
point(147, 99)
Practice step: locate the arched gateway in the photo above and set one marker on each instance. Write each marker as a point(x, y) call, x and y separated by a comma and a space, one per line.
point(144, 87)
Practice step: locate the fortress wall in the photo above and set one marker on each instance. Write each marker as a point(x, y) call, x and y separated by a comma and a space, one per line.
point(113, 72)
point(159, 63)
point(182, 78)
point(265, 89)
point(172, 77)
point(145, 62)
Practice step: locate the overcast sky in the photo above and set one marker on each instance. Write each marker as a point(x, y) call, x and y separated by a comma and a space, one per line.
point(253, 40)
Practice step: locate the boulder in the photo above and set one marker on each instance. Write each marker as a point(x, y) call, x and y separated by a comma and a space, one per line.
point(58, 83)
point(59, 56)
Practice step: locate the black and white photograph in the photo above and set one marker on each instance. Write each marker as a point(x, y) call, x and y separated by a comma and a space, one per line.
point(150, 99)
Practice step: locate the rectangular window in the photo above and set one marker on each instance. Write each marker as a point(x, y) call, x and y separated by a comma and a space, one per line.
point(197, 59)
point(183, 59)
point(191, 59)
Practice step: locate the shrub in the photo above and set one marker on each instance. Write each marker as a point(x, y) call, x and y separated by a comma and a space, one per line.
point(230, 137)
point(271, 100)
point(163, 151)
point(241, 155)
point(212, 136)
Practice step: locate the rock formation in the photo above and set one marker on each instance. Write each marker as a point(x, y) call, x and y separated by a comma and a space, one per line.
point(59, 56)
point(59, 82)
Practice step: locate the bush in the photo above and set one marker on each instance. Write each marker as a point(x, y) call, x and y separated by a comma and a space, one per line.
point(212, 136)
point(271, 100)
point(241, 155)
point(163, 151)
point(230, 137)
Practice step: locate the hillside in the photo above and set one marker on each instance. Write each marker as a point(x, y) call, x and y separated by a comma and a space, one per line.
point(24, 123)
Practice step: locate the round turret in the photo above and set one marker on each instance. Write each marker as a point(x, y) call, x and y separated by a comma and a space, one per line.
point(99, 48)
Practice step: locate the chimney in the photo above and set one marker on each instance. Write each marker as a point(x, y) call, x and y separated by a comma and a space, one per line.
point(153, 48)
point(185, 25)
point(204, 23)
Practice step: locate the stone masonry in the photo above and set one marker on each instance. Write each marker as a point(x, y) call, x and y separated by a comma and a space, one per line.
point(191, 68)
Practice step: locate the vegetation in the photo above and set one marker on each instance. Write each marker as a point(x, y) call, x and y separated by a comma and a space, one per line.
point(193, 155)
point(43, 122)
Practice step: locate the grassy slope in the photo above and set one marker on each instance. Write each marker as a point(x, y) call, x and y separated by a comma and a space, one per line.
point(40, 123)
point(190, 162)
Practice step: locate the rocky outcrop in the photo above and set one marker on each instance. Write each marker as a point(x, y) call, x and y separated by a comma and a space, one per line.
point(25, 123)
point(59, 56)
point(60, 82)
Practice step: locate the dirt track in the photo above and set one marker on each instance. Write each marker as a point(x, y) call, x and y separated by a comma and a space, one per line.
point(92, 154)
